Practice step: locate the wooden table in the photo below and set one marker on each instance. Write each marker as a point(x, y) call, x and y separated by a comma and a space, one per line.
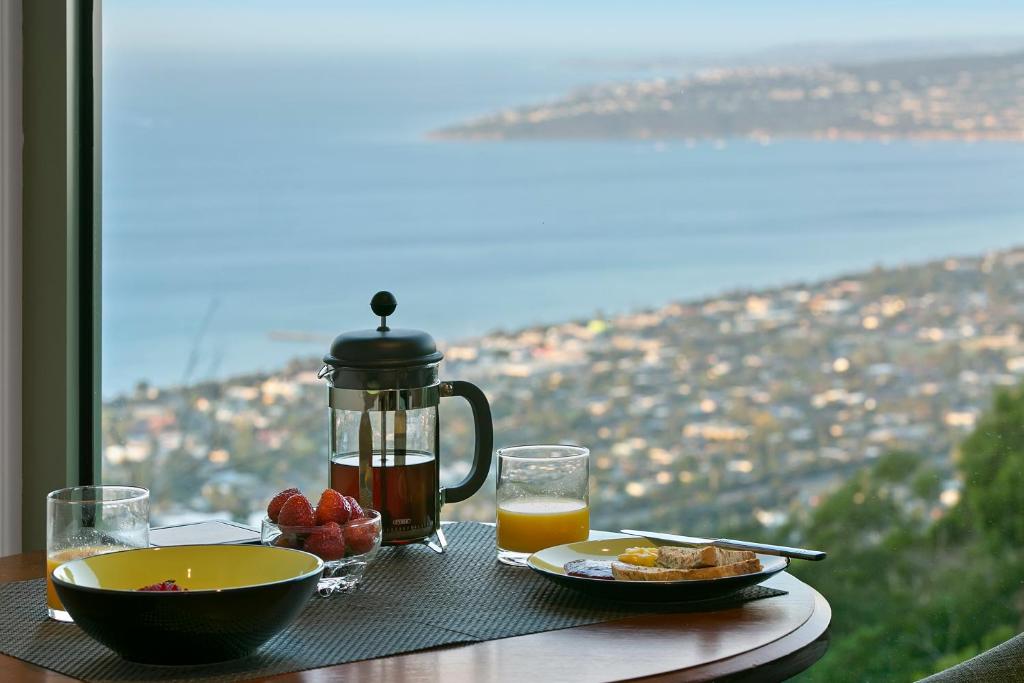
point(763, 640)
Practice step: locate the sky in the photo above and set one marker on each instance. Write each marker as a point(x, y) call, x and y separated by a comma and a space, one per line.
point(584, 27)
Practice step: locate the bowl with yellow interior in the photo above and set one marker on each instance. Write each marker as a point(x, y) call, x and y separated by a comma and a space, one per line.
point(190, 604)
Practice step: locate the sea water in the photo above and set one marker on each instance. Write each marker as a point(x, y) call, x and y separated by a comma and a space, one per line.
point(251, 207)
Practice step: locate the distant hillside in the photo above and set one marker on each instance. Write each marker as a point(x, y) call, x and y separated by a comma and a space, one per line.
point(966, 97)
point(810, 53)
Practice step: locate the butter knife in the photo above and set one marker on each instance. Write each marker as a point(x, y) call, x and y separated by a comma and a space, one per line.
point(730, 544)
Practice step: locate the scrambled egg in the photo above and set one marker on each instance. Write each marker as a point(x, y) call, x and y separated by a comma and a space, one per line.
point(644, 557)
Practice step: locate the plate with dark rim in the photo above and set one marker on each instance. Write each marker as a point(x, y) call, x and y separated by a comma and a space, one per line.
point(601, 546)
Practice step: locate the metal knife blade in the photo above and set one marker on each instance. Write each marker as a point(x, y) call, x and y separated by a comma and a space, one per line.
point(731, 544)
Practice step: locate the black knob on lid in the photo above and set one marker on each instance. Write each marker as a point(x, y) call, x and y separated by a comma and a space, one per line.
point(383, 304)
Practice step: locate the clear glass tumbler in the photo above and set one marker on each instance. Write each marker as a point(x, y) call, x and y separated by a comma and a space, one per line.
point(542, 499)
point(82, 521)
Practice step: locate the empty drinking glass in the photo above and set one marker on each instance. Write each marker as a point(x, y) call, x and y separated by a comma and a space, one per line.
point(82, 521)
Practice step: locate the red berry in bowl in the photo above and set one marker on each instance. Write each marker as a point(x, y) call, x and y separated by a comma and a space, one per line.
point(288, 541)
point(327, 542)
point(168, 586)
point(274, 508)
point(357, 510)
point(296, 511)
point(333, 507)
point(361, 538)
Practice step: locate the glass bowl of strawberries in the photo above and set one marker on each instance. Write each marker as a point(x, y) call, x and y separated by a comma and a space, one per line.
point(338, 531)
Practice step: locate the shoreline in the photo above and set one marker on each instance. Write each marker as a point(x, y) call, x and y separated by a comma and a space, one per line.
point(499, 333)
point(965, 97)
point(764, 139)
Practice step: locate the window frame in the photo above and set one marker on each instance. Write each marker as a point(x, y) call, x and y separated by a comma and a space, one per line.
point(61, 396)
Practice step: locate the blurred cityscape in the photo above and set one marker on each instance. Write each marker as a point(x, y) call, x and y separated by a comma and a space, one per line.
point(742, 410)
point(969, 97)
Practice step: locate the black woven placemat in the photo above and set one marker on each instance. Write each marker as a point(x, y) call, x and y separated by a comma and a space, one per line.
point(411, 599)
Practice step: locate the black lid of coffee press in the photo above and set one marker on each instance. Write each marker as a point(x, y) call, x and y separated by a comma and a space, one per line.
point(384, 357)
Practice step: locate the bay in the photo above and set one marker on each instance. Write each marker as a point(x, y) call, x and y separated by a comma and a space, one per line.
point(244, 196)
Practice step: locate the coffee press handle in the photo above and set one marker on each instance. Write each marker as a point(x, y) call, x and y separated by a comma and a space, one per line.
point(484, 440)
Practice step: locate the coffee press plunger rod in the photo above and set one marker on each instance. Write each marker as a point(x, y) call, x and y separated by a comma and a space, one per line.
point(365, 459)
point(384, 465)
point(399, 449)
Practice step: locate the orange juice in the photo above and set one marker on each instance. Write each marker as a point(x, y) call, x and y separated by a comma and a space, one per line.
point(56, 559)
point(526, 525)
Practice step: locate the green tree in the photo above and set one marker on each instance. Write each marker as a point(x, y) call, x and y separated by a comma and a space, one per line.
point(992, 464)
point(911, 596)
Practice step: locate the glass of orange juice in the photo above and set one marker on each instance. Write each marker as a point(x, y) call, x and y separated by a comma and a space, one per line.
point(542, 499)
point(82, 521)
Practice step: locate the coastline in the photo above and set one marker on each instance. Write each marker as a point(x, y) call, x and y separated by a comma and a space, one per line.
point(829, 135)
point(313, 362)
point(967, 97)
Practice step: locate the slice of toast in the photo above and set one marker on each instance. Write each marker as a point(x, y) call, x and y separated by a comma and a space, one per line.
point(673, 557)
point(630, 572)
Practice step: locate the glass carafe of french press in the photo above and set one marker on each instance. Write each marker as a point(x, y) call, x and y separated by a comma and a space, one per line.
point(384, 427)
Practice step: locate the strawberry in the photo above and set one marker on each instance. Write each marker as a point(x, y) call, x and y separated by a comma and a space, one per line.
point(296, 511)
point(327, 542)
point(361, 538)
point(357, 510)
point(333, 507)
point(168, 586)
point(274, 509)
point(288, 541)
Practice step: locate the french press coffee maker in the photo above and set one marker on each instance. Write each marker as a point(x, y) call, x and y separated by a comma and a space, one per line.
point(384, 430)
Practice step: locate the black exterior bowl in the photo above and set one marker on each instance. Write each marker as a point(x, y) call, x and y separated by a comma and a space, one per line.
point(239, 597)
